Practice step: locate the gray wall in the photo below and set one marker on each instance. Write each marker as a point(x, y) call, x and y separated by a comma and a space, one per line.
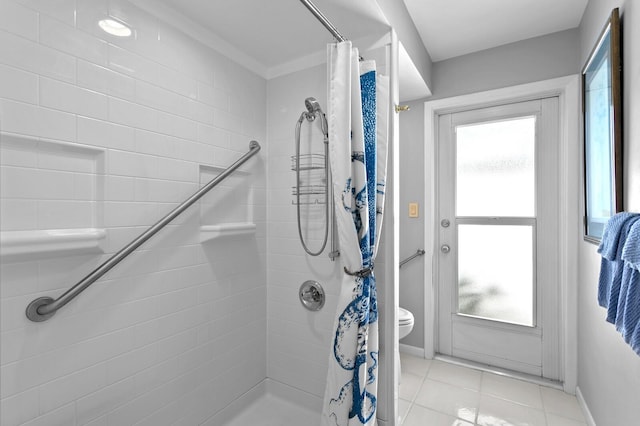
point(399, 18)
point(412, 178)
point(540, 58)
point(608, 370)
point(535, 59)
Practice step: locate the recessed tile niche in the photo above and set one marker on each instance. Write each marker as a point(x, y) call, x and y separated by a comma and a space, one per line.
point(46, 186)
point(228, 208)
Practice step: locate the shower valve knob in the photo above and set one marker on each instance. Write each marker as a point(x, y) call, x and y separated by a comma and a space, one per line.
point(311, 295)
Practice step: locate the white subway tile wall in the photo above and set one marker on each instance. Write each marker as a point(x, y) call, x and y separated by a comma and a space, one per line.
point(299, 340)
point(112, 133)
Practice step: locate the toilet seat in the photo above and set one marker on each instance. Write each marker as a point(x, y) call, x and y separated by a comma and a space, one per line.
point(404, 316)
point(405, 322)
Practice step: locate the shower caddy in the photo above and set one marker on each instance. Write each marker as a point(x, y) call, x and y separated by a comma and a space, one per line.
point(312, 192)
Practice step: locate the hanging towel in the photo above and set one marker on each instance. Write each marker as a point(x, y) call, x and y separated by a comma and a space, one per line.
point(628, 319)
point(612, 265)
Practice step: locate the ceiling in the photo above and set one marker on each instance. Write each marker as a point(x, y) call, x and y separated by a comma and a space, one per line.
point(450, 28)
point(275, 33)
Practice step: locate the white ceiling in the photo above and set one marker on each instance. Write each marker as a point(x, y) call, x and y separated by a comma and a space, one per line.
point(275, 33)
point(450, 28)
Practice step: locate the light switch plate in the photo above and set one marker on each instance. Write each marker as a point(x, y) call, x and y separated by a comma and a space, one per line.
point(413, 209)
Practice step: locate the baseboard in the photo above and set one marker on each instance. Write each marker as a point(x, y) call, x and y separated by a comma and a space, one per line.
point(412, 350)
point(585, 409)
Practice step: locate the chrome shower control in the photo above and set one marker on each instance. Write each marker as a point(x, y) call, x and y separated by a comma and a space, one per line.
point(311, 295)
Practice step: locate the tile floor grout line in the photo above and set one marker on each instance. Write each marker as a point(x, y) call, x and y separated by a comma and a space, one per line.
point(537, 404)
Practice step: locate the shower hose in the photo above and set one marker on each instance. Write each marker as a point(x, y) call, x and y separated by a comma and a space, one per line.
point(311, 117)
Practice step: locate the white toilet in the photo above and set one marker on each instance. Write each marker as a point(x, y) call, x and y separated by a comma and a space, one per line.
point(405, 322)
point(405, 325)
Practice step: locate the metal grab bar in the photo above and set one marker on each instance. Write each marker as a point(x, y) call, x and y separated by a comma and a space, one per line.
point(43, 308)
point(420, 252)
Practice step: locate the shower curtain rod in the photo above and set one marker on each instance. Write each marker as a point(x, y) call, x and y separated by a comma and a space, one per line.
point(323, 20)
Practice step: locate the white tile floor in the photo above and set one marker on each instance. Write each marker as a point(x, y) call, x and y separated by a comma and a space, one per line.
point(437, 393)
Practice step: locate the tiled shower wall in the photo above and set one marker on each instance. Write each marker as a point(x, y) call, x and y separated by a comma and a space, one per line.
point(107, 133)
point(298, 339)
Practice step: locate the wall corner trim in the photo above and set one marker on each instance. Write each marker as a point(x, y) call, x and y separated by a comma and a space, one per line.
point(585, 409)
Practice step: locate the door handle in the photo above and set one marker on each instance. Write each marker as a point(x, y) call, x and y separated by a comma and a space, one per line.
point(445, 248)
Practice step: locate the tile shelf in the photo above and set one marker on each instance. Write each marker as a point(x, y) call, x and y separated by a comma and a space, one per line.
point(23, 245)
point(212, 232)
point(18, 245)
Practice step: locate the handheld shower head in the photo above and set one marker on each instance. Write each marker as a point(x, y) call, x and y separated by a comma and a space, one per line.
point(312, 105)
point(314, 110)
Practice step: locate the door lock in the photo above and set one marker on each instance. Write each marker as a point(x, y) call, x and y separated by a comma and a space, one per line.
point(445, 249)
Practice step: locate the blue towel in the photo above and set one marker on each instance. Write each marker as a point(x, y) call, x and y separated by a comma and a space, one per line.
point(612, 265)
point(628, 319)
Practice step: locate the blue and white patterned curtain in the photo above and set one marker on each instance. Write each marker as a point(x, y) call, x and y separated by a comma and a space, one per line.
point(358, 123)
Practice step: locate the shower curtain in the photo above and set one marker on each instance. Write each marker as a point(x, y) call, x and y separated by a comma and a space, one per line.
point(358, 122)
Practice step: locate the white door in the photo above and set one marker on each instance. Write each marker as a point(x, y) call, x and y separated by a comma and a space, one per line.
point(498, 206)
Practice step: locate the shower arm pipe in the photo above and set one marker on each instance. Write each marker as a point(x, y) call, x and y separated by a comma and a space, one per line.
point(420, 252)
point(43, 308)
point(323, 20)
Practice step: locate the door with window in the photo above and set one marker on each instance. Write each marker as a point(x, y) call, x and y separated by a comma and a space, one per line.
point(498, 206)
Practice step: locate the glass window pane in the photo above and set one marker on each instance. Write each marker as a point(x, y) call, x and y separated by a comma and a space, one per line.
point(495, 272)
point(495, 165)
point(598, 128)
